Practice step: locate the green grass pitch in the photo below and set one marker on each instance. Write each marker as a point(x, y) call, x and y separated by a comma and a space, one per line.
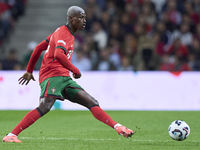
point(79, 130)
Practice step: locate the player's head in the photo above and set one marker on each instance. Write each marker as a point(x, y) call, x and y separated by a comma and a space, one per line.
point(76, 18)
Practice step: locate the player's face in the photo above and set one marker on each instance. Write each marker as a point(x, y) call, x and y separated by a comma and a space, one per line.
point(79, 21)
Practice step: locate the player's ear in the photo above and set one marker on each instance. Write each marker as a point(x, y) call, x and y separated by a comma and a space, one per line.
point(70, 19)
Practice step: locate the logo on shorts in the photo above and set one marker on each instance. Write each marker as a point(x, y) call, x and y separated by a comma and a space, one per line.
point(53, 90)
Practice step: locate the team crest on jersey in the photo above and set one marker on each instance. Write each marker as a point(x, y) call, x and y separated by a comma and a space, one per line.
point(53, 90)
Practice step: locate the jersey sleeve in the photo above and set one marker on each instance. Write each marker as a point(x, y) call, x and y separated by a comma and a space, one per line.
point(65, 62)
point(48, 38)
point(62, 49)
point(36, 54)
point(61, 41)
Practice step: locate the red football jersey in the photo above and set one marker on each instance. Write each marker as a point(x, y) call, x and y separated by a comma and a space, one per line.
point(62, 38)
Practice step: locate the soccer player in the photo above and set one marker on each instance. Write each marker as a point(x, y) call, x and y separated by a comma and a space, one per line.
point(54, 78)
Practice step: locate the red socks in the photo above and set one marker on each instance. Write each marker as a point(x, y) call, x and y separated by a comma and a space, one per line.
point(28, 120)
point(102, 116)
point(35, 114)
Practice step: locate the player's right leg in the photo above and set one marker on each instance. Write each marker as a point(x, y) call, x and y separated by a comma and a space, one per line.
point(51, 89)
point(44, 106)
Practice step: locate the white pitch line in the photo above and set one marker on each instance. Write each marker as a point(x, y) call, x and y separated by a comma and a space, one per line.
point(51, 138)
point(91, 139)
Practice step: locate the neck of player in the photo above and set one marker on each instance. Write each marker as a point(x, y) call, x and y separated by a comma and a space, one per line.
point(71, 28)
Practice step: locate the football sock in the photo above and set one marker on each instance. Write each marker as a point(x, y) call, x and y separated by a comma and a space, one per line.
point(117, 125)
point(10, 134)
point(28, 120)
point(102, 116)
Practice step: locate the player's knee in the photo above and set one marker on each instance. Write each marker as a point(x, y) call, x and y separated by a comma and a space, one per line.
point(46, 104)
point(94, 102)
point(47, 109)
point(44, 109)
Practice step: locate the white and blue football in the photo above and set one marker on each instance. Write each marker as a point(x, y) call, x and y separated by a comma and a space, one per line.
point(179, 130)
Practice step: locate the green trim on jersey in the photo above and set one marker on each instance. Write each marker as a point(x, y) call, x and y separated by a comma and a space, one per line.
point(62, 48)
point(53, 59)
point(47, 40)
point(69, 29)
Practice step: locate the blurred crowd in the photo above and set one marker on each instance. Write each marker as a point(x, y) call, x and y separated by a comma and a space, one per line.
point(10, 12)
point(138, 35)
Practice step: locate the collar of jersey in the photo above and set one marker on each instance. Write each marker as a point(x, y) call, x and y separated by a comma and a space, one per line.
point(69, 29)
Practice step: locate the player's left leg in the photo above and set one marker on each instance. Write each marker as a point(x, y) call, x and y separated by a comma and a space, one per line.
point(84, 99)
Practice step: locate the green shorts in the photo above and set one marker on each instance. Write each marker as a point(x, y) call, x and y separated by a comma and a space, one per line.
point(59, 87)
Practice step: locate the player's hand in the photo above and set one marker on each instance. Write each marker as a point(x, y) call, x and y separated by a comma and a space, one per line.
point(76, 76)
point(26, 78)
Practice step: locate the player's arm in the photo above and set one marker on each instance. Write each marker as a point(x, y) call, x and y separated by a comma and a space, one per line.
point(36, 54)
point(27, 76)
point(65, 62)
